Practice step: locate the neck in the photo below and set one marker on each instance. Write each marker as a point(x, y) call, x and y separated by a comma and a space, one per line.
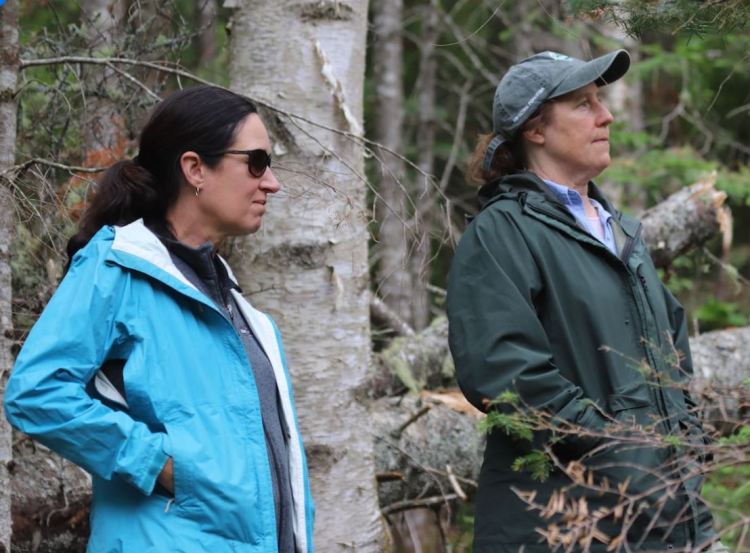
point(579, 184)
point(185, 223)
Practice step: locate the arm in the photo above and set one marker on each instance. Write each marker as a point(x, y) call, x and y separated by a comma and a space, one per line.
point(496, 338)
point(46, 396)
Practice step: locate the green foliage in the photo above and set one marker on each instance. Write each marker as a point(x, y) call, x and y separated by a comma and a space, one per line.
point(739, 437)
point(716, 314)
point(727, 493)
point(673, 441)
point(687, 17)
point(508, 417)
point(513, 424)
point(538, 463)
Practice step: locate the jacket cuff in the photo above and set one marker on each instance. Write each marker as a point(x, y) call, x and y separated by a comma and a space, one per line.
point(154, 457)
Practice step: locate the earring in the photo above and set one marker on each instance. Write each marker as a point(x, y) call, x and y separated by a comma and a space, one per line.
point(197, 191)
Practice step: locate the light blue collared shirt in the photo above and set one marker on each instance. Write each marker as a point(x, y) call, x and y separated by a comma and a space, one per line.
point(573, 201)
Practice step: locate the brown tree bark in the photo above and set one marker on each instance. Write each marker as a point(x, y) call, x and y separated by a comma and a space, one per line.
point(8, 83)
point(104, 128)
point(424, 189)
point(208, 11)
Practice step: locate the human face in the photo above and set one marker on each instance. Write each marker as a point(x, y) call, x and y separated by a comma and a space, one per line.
point(572, 147)
point(232, 201)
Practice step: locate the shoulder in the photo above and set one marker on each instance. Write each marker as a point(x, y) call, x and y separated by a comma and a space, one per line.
point(91, 268)
point(96, 250)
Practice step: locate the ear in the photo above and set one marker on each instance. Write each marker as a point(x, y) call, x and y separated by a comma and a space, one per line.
point(193, 169)
point(535, 135)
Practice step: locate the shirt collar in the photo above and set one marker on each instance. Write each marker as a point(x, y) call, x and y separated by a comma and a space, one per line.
point(570, 197)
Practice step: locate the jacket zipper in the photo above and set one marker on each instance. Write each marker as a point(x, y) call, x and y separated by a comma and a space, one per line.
point(623, 258)
point(630, 245)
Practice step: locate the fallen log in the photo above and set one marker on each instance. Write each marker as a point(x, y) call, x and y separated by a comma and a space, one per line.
point(685, 220)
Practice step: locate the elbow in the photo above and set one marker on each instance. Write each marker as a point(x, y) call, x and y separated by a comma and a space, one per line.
point(13, 404)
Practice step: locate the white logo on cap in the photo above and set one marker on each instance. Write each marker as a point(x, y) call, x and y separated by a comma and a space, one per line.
point(557, 57)
point(525, 108)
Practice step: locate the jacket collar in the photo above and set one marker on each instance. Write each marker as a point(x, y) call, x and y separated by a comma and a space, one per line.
point(528, 187)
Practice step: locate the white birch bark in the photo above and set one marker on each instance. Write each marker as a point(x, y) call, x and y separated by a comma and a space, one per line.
point(8, 82)
point(307, 265)
point(394, 278)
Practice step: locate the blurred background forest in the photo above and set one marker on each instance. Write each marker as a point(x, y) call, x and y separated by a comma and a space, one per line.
point(682, 114)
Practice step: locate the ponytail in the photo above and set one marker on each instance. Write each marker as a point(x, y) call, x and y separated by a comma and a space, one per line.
point(510, 156)
point(124, 193)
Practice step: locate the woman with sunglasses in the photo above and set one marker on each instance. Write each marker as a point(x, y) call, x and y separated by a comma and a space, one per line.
point(150, 370)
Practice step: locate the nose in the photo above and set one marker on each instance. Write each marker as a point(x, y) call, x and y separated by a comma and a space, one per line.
point(269, 183)
point(604, 116)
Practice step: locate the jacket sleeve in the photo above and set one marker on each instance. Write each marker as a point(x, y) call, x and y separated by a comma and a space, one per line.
point(681, 344)
point(45, 396)
point(496, 338)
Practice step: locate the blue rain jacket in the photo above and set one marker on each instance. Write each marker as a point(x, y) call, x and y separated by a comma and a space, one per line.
point(189, 395)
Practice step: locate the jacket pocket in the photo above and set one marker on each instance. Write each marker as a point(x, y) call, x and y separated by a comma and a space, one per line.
point(631, 405)
point(215, 484)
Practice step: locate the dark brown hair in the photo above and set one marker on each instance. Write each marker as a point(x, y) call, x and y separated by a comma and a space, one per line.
point(201, 119)
point(510, 157)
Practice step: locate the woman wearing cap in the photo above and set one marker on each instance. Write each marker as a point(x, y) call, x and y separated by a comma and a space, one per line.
point(150, 370)
point(553, 298)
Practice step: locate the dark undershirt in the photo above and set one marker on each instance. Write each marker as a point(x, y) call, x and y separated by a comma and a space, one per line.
point(203, 268)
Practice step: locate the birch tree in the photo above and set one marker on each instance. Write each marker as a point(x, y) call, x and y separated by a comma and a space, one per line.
point(394, 278)
point(307, 266)
point(8, 81)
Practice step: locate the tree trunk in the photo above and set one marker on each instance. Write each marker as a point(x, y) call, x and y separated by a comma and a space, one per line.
point(424, 193)
point(8, 82)
point(685, 220)
point(207, 14)
point(307, 265)
point(104, 136)
point(394, 278)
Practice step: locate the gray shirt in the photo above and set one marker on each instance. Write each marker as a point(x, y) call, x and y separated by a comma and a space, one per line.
point(202, 267)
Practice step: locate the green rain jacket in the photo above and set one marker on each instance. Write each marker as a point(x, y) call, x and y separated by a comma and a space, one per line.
point(540, 308)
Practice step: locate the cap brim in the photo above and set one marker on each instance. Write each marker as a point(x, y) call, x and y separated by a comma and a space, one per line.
point(602, 71)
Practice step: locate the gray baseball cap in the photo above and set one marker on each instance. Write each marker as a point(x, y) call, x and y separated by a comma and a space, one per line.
point(542, 77)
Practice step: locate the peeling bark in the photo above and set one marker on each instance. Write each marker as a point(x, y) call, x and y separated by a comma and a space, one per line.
point(308, 58)
point(8, 83)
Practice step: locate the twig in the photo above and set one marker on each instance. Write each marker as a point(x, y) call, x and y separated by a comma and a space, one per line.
point(385, 314)
point(454, 483)
point(416, 503)
point(21, 167)
point(389, 476)
point(416, 416)
point(458, 134)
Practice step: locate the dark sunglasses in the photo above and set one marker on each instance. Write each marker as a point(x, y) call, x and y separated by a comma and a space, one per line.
point(257, 160)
